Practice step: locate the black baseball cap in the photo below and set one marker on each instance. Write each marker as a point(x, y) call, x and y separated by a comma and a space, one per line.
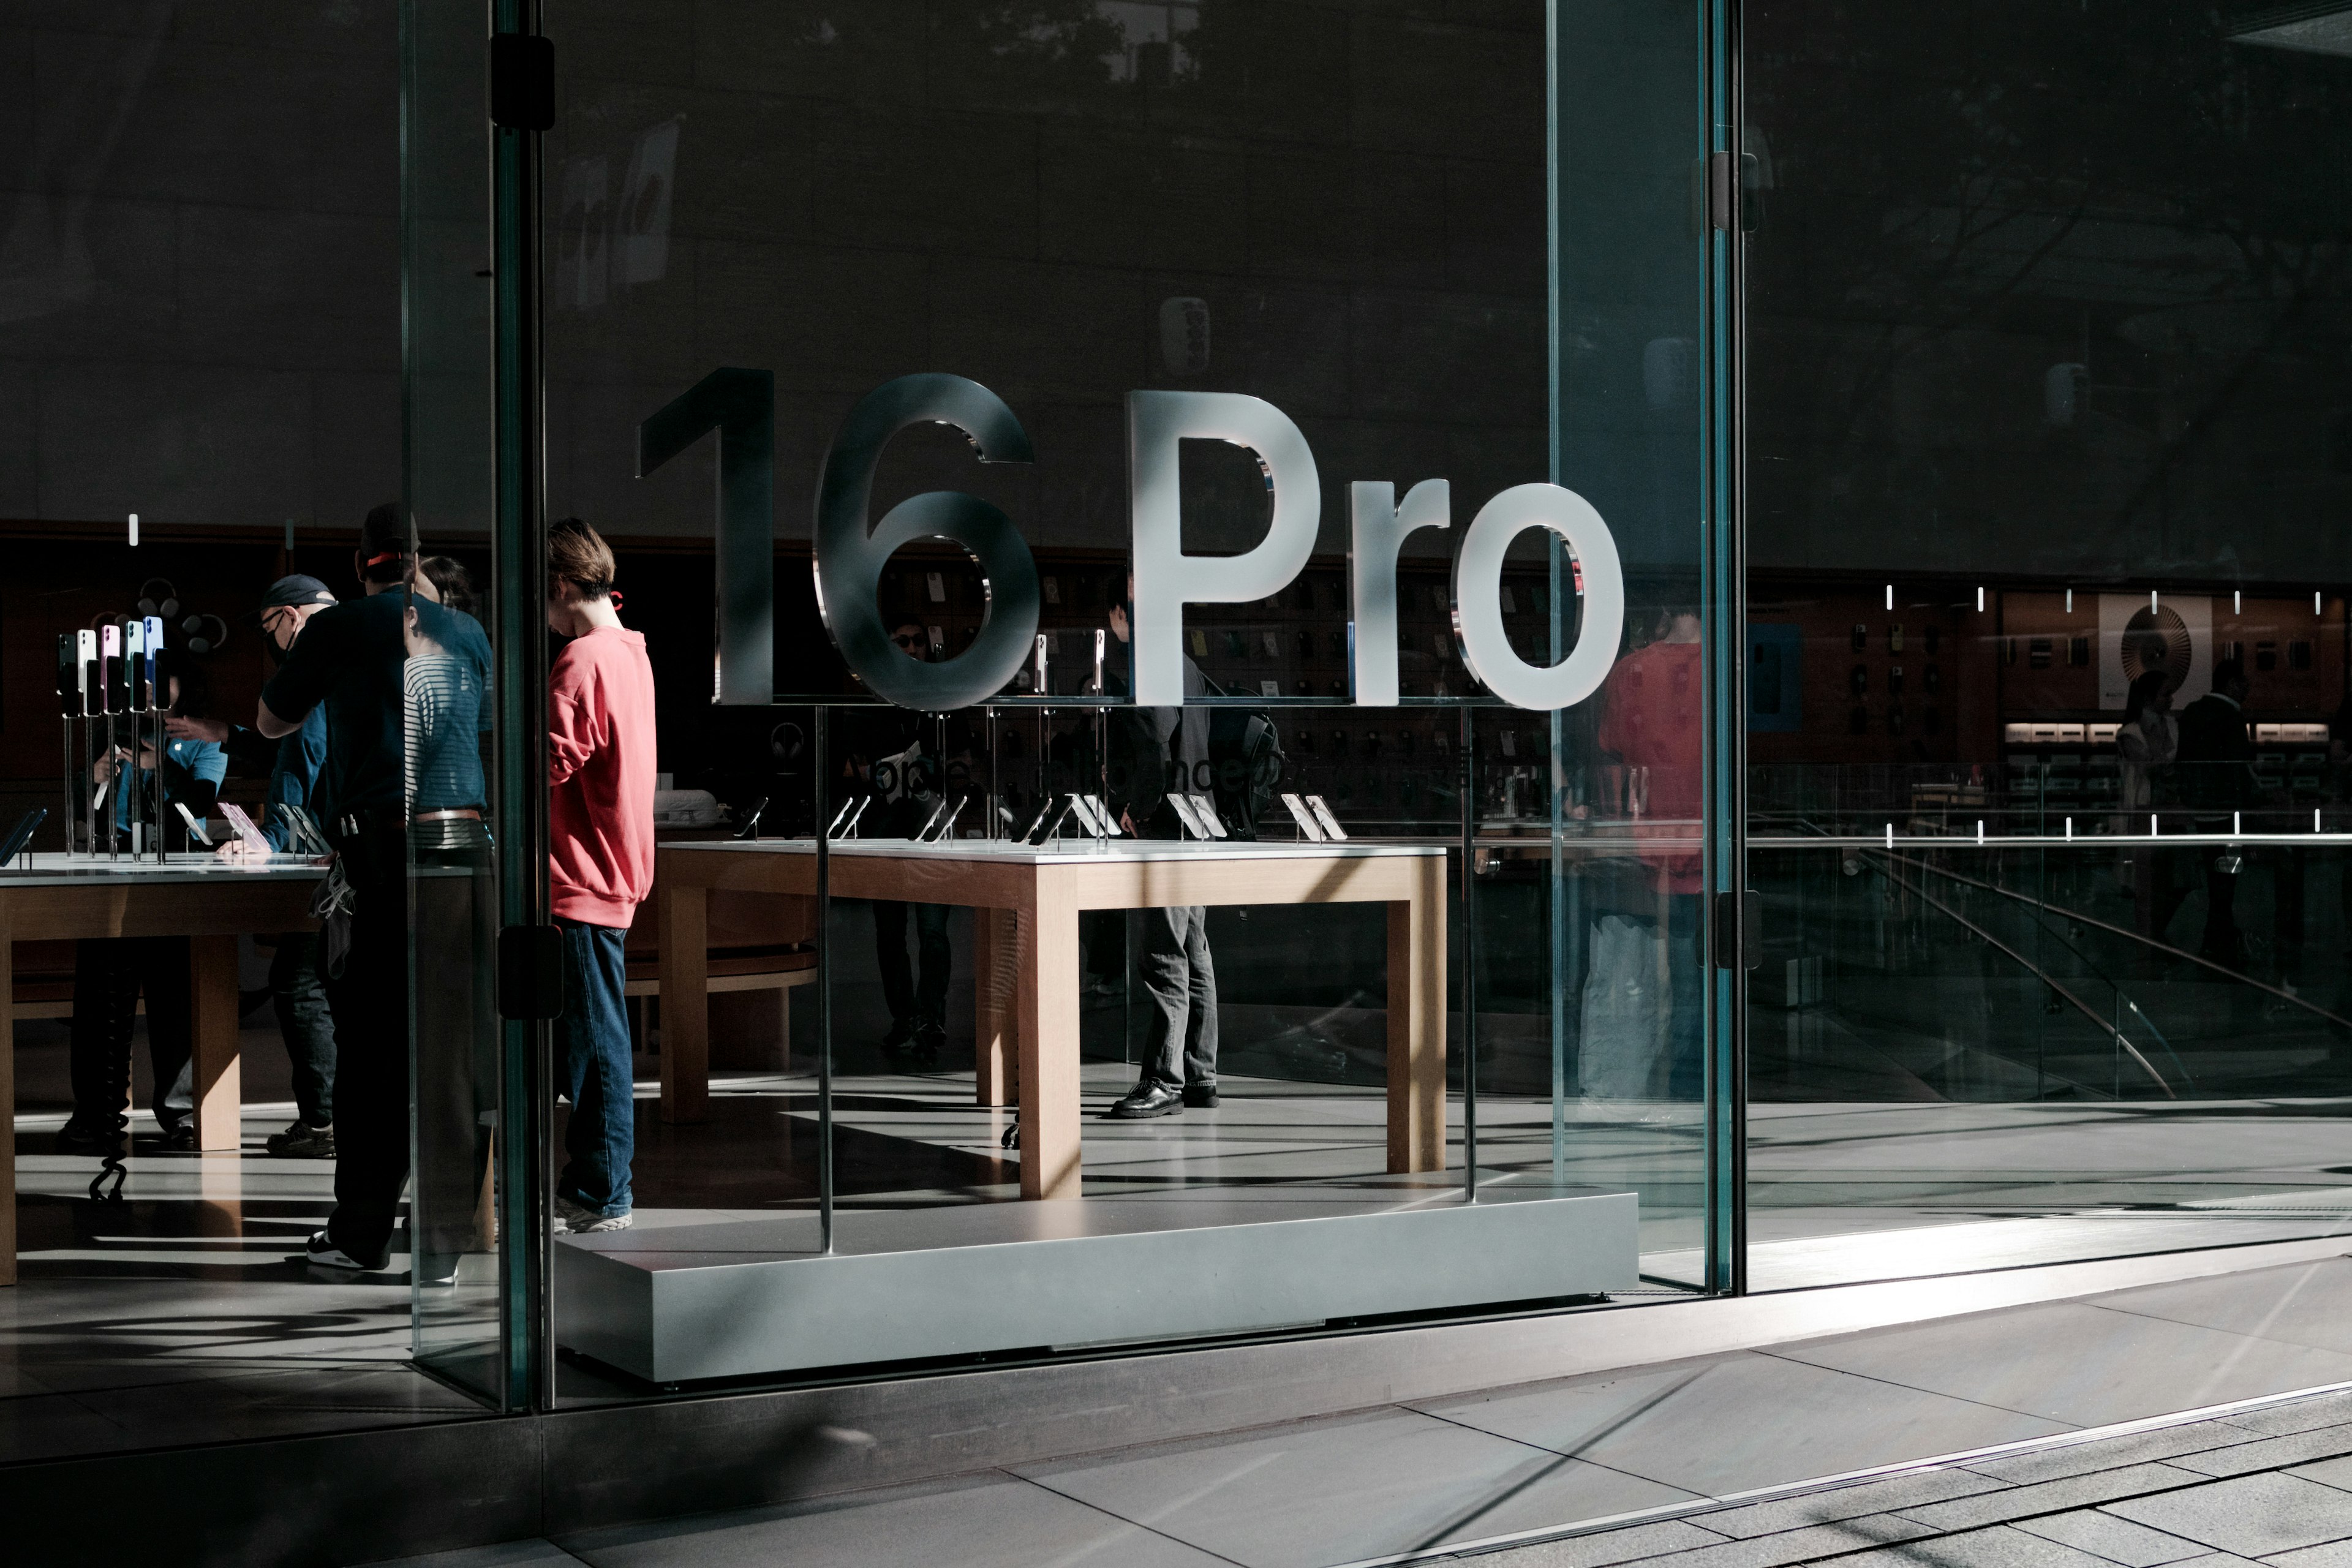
point(292, 591)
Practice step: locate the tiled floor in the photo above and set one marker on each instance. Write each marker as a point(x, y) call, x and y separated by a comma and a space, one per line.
point(1730, 1462)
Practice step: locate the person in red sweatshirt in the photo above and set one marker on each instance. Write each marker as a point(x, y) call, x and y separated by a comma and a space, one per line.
point(600, 863)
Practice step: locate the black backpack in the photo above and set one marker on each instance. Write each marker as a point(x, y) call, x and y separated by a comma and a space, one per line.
point(1244, 763)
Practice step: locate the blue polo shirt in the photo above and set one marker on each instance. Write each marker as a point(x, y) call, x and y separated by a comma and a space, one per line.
point(204, 759)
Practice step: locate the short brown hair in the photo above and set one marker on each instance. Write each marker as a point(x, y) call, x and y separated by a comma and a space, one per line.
point(578, 555)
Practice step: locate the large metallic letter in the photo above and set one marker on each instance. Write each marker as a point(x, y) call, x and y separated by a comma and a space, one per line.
point(1166, 579)
point(1378, 527)
point(741, 405)
point(849, 560)
point(1478, 597)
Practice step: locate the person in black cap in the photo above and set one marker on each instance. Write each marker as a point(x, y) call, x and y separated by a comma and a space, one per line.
point(295, 992)
point(348, 661)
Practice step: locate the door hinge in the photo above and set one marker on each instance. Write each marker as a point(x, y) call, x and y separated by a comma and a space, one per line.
point(1738, 930)
point(522, 81)
point(531, 973)
point(1735, 192)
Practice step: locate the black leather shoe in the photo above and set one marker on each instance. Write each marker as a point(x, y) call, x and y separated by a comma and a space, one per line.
point(1148, 1099)
point(1201, 1096)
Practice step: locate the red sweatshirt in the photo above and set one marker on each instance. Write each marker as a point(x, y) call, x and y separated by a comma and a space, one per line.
point(600, 777)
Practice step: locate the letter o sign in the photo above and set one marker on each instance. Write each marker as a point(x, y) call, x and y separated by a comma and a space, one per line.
point(1478, 599)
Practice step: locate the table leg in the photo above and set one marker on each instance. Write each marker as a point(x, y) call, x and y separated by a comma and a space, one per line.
point(1048, 1026)
point(685, 926)
point(213, 1073)
point(1417, 1024)
point(8, 1101)
point(996, 982)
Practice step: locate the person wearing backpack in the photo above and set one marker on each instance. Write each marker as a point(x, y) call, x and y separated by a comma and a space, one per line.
point(1153, 751)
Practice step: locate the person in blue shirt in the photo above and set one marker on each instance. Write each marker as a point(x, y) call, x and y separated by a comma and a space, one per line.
point(294, 762)
point(109, 972)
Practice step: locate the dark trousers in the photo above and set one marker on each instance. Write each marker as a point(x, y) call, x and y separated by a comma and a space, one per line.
point(1179, 1045)
point(308, 1025)
point(457, 1048)
point(1686, 985)
point(592, 1039)
point(916, 1004)
point(370, 1004)
point(108, 975)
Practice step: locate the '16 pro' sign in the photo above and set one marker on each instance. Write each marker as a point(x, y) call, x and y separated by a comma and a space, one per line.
point(851, 552)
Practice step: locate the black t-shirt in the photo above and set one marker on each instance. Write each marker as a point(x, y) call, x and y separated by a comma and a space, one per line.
point(349, 657)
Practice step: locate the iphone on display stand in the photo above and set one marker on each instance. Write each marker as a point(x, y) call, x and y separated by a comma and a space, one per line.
point(1186, 815)
point(1056, 810)
point(195, 829)
point(1323, 815)
point(1309, 829)
point(1206, 809)
point(22, 834)
point(1109, 824)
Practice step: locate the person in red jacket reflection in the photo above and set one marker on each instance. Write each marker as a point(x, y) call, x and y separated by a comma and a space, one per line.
point(1643, 1035)
point(599, 864)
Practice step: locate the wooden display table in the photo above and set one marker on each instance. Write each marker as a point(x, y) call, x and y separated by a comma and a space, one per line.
point(1025, 904)
point(195, 896)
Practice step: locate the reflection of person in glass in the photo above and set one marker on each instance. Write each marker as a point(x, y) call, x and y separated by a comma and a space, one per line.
point(295, 992)
point(111, 971)
point(1154, 750)
point(1643, 1026)
point(907, 784)
point(2148, 741)
point(2217, 781)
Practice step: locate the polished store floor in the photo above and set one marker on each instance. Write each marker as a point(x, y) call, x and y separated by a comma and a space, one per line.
point(2050, 1435)
point(184, 1313)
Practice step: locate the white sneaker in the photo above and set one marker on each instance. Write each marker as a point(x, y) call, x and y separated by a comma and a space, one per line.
point(322, 1253)
point(578, 1219)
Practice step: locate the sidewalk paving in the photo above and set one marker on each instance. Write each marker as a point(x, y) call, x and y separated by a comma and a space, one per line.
point(1665, 1463)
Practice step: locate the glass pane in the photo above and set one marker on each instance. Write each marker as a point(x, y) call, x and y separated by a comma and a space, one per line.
point(1183, 960)
point(448, 711)
point(200, 400)
point(2046, 653)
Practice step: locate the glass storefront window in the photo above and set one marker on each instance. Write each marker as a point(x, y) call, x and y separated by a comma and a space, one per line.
point(1397, 1007)
point(2046, 655)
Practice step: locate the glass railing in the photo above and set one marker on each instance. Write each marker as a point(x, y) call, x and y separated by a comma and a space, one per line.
point(2013, 1016)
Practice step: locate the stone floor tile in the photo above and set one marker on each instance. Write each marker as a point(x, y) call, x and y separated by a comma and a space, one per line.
point(2110, 1453)
point(1352, 1487)
point(2088, 1365)
point(51, 1426)
point(1603, 1548)
point(506, 1554)
point(1823, 1422)
point(2300, 1303)
point(2337, 1473)
point(2271, 1453)
point(1809, 1544)
point(1904, 1492)
point(2252, 1516)
point(2333, 1554)
point(2001, 1546)
point(988, 1521)
point(2049, 1497)
point(2295, 1414)
point(2116, 1540)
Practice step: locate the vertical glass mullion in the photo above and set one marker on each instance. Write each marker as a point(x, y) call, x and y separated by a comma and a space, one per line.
point(1724, 618)
point(519, 594)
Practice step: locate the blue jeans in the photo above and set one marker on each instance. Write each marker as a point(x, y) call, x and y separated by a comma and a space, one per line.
point(592, 1038)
